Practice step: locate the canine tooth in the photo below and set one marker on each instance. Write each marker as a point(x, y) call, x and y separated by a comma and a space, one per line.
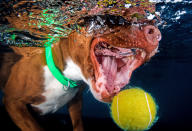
point(109, 46)
point(132, 57)
point(143, 54)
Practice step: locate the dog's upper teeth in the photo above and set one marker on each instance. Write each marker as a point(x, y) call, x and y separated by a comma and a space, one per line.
point(110, 46)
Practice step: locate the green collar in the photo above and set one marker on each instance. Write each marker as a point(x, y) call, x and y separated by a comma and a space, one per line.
point(55, 71)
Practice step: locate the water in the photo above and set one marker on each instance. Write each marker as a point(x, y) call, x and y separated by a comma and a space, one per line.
point(35, 23)
point(167, 76)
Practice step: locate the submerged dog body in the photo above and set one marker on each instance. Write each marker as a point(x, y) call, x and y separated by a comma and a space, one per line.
point(104, 61)
point(80, 57)
point(31, 83)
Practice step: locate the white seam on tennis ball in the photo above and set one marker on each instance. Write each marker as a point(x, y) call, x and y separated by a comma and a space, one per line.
point(149, 110)
point(118, 110)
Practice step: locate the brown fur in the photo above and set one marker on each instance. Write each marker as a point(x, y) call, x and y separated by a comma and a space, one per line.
point(24, 83)
point(23, 86)
point(7, 60)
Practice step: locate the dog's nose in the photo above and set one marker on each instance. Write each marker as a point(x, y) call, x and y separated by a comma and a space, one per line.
point(152, 34)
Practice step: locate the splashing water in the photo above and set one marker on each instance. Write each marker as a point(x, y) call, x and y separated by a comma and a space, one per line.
point(42, 22)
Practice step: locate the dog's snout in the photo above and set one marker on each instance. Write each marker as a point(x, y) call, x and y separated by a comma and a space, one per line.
point(152, 34)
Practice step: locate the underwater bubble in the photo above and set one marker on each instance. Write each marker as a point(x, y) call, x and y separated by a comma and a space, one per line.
point(39, 21)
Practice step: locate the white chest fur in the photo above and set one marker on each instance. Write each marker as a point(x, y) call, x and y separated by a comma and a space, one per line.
point(54, 93)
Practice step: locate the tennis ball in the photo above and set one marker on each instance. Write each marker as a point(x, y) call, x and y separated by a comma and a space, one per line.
point(134, 110)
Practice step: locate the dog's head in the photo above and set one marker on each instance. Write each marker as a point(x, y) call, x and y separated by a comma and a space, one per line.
point(109, 48)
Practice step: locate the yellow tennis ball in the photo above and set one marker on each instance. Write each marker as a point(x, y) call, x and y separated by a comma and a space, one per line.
point(134, 110)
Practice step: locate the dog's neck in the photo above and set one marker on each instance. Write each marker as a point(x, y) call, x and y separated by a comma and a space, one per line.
point(76, 55)
point(71, 55)
point(65, 57)
point(58, 56)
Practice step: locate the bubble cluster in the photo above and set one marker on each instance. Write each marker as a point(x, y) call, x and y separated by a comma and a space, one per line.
point(35, 22)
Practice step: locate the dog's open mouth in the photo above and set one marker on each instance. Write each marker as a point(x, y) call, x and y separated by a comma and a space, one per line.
point(113, 67)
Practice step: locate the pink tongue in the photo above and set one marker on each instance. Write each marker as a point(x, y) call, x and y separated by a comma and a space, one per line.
point(109, 66)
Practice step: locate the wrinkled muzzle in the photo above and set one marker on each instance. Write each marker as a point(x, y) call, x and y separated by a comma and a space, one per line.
point(117, 54)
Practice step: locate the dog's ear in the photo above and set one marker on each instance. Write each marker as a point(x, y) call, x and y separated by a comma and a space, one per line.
point(27, 51)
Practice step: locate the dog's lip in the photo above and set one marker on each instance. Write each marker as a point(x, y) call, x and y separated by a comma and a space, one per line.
point(104, 96)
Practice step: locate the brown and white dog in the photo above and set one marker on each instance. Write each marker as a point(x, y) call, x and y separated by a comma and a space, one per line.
point(103, 61)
